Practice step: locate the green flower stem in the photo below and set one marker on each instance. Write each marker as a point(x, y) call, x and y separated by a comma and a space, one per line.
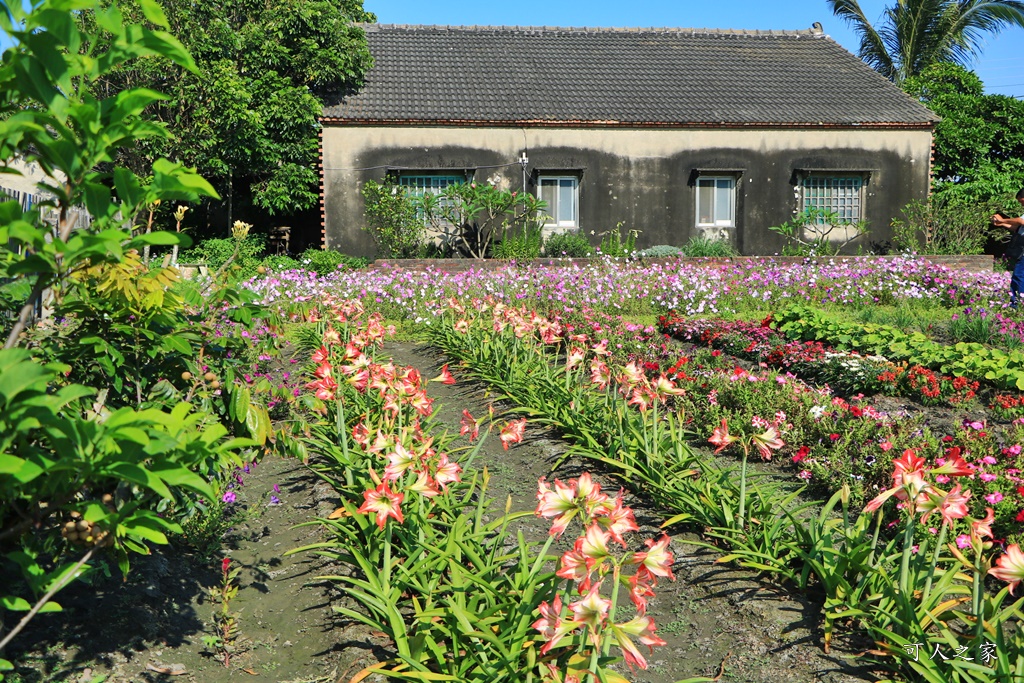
point(979, 587)
point(386, 569)
point(606, 646)
point(743, 487)
point(935, 559)
point(874, 538)
point(342, 429)
point(908, 541)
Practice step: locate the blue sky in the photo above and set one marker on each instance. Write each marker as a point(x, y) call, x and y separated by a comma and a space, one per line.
point(1001, 66)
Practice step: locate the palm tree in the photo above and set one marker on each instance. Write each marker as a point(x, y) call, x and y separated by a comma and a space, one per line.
point(915, 34)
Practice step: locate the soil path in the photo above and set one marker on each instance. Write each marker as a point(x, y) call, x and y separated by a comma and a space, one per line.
point(709, 614)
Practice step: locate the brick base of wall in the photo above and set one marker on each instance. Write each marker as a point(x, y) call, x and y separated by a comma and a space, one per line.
point(980, 264)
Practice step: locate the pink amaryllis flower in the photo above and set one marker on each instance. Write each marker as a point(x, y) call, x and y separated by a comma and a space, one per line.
point(512, 432)
point(551, 626)
point(1010, 567)
point(618, 520)
point(575, 357)
point(384, 502)
point(657, 561)
point(640, 589)
point(445, 377)
point(951, 506)
point(424, 485)
point(469, 426)
point(766, 442)
point(399, 460)
point(595, 544)
point(721, 437)
point(642, 628)
point(982, 528)
point(600, 374)
point(576, 567)
point(591, 611)
point(558, 503)
point(447, 472)
point(908, 481)
point(321, 355)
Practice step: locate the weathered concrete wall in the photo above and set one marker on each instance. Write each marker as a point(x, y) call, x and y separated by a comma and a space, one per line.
point(641, 178)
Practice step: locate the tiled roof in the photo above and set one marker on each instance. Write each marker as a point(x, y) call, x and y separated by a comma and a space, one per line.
point(619, 76)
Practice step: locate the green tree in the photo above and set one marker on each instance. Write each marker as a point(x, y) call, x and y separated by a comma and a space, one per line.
point(979, 143)
point(247, 117)
point(915, 34)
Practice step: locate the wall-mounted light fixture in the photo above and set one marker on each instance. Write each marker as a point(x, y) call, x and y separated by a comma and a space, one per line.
point(524, 161)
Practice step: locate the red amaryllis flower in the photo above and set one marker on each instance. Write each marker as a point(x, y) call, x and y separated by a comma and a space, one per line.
point(384, 502)
point(469, 426)
point(600, 374)
point(721, 437)
point(1010, 567)
point(591, 611)
point(399, 460)
point(447, 472)
point(618, 520)
point(640, 590)
point(320, 355)
point(954, 465)
point(576, 567)
point(445, 377)
point(512, 432)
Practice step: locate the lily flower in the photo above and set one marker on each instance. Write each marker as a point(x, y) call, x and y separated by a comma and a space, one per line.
point(445, 377)
point(982, 528)
point(1010, 567)
point(767, 442)
point(384, 502)
point(657, 561)
point(512, 432)
point(642, 628)
point(951, 506)
point(591, 611)
point(469, 426)
point(722, 438)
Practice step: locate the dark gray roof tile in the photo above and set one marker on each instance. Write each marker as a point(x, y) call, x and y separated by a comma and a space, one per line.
point(633, 76)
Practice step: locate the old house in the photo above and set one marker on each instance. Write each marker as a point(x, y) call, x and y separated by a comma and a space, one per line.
point(673, 132)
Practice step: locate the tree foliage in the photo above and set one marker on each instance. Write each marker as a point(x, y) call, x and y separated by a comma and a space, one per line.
point(246, 118)
point(915, 34)
point(979, 143)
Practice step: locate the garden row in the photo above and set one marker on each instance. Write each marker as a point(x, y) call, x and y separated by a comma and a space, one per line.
point(889, 571)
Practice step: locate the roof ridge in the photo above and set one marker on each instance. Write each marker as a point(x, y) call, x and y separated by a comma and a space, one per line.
point(811, 32)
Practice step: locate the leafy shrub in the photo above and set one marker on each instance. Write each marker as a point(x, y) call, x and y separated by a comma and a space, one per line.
point(661, 251)
point(327, 261)
point(944, 225)
point(568, 244)
point(392, 219)
point(520, 247)
point(809, 233)
point(278, 262)
point(613, 245)
point(216, 252)
point(707, 247)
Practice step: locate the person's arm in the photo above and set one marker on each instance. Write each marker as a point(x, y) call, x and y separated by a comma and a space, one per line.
point(1008, 222)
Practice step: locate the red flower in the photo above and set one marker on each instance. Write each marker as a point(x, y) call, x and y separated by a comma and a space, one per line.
point(833, 437)
point(224, 564)
point(801, 454)
point(1020, 516)
point(716, 353)
point(512, 432)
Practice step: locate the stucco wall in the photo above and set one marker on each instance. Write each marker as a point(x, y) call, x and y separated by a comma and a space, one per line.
point(642, 178)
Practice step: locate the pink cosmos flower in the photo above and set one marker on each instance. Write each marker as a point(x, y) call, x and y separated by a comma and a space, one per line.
point(963, 541)
point(1010, 567)
point(384, 502)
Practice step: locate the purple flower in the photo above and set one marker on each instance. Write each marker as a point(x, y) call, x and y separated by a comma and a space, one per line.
point(229, 497)
point(277, 489)
point(994, 497)
point(274, 500)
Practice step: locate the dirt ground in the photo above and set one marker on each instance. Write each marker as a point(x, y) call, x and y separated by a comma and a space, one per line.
point(715, 619)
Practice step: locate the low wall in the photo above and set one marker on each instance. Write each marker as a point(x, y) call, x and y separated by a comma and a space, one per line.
point(981, 263)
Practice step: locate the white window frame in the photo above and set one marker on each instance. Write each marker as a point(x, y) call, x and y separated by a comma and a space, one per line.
point(550, 213)
point(716, 222)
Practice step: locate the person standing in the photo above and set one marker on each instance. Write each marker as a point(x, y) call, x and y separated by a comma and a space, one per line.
point(1015, 249)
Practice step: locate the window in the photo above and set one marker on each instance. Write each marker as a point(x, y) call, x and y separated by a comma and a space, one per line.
point(561, 193)
point(716, 201)
point(837, 194)
point(434, 184)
